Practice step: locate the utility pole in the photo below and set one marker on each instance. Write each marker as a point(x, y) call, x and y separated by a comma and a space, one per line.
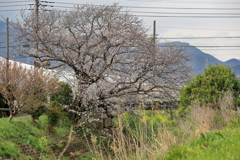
point(154, 37)
point(154, 33)
point(36, 14)
point(7, 44)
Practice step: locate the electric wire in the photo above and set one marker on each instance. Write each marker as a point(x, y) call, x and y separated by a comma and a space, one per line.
point(197, 37)
point(17, 1)
point(13, 6)
point(186, 13)
point(158, 7)
point(188, 2)
point(195, 28)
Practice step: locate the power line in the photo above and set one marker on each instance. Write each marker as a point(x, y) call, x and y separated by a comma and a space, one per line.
point(195, 28)
point(167, 12)
point(203, 46)
point(12, 6)
point(190, 2)
point(175, 16)
point(9, 46)
point(218, 49)
point(197, 37)
point(188, 16)
point(157, 7)
point(16, 10)
point(186, 13)
point(16, 1)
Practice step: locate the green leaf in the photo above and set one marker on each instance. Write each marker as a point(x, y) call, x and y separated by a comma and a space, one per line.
point(219, 134)
point(203, 136)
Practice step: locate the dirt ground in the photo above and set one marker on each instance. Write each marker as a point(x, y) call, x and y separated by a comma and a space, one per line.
point(24, 115)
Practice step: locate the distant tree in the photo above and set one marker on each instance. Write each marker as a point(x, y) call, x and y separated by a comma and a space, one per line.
point(24, 90)
point(108, 51)
point(207, 88)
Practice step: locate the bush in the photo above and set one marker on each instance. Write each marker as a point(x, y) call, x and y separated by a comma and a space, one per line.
point(37, 112)
point(54, 114)
point(209, 87)
point(64, 95)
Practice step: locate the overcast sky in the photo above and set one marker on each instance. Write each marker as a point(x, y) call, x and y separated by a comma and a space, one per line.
point(171, 26)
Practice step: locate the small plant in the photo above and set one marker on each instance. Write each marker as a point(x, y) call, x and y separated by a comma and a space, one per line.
point(43, 144)
point(59, 145)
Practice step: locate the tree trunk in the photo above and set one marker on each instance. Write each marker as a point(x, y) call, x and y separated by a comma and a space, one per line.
point(10, 117)
point(11, 114)
point(73, 116)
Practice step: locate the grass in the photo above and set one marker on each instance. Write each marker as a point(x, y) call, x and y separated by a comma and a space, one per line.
point(144, 135)
point(21, 131)
point(219, 145)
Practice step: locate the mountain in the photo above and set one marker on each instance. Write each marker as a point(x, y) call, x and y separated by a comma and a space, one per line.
point(2, 26)
point(199, 58)
point(232, 62)
point(3, 45)
point(235, 65)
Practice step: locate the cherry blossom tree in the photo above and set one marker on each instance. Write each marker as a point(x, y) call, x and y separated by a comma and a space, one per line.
point(24, 89)
point(108, 51)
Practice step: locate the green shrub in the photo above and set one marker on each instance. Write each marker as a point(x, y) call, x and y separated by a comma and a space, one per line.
point(37, 112)
point(54, 115)
point(209, 87)
point(64, 96)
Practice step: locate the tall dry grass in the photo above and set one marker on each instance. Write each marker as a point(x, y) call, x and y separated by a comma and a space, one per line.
point(148, 142)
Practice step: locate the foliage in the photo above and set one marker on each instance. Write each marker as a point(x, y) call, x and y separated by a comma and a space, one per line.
point(37, 112)
point(64, 95)
point(8, 149)
point(24, 89)
point(207, 88)
point(54, 115)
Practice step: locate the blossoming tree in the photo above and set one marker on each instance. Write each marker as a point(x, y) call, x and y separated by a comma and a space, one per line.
point(24, 89)
point(108, 51)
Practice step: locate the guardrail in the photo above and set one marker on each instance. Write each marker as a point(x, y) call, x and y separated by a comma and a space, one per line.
point(4, 109)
